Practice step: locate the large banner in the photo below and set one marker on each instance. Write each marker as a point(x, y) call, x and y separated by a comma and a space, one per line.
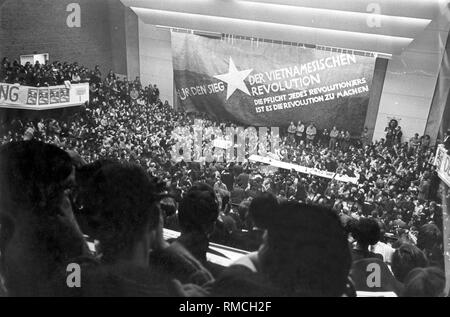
point(43, 98)
point(265, 84)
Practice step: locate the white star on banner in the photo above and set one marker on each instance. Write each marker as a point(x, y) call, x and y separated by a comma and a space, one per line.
point(235, 79)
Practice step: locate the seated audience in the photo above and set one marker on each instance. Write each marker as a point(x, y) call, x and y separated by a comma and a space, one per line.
point(393, 184)
point(304, 253)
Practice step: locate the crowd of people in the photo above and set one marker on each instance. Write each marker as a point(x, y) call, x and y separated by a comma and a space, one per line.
point(91, 174)
point(48, 74)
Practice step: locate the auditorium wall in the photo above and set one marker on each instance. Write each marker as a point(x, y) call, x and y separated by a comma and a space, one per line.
point(410, 82)
point(51, 26)
point(132, 43)
point(439, 118)
point(155, 57)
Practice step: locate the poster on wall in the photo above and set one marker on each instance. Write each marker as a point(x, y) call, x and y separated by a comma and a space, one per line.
point(32, 96)
point(43, 96)
point(271, 84)
point(54, 96)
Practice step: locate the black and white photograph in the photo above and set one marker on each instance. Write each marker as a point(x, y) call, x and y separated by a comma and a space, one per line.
point(224, 153)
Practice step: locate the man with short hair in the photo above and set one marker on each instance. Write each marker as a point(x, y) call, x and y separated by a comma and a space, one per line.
point(197, 214)
point(414, 142)
point(39, 234)
point(122, 211)
point(311, 132)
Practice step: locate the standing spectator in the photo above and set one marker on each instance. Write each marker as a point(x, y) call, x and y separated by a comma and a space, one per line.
point(398, 134)
point(446, 141)
point(300, 132)
point(346, 141)
point(390, 131)
point(334, 133)
point(292, 130)
point(425, 143)
point(325, 138)
point(341, 139)
point(364, 140)
point(155, 94)
point(311, 132)
point(414, 143)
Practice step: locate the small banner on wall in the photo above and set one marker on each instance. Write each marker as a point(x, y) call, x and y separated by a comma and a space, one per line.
point(43, 98)
point(271, 84)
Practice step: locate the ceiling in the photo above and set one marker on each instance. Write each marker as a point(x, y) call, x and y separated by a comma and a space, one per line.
point(384, 26)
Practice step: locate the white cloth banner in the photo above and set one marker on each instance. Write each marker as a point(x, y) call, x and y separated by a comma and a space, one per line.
point(222, 144)
point(303, 169)
point(43, 98)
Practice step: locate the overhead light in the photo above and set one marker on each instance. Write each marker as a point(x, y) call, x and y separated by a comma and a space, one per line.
point(196, 32)
point(208, 34)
